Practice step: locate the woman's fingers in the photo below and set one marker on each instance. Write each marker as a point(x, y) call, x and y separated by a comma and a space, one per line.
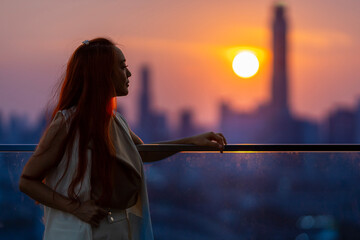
point(213, 144)
point(96, 218)
point(223, 138)
point(218, 137)
point(217, 140)
point(102, 212)
point(211, 139)
point(91, 213)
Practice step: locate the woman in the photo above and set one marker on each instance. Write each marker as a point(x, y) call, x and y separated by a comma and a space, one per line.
point(74, 171)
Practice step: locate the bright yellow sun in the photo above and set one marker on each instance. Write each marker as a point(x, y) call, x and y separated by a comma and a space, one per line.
point(245, 64)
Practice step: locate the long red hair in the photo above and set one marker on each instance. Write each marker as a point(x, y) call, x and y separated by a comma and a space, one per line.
point(88, 86)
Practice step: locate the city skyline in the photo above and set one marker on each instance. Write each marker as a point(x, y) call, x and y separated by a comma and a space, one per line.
point(190, 68)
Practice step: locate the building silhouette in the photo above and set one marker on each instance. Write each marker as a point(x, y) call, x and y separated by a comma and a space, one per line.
point(187, 126)
point(271, 122)
point(279, 78)
point(342, 126)
point(152, 125)
point(145, 116)
point(357, 122)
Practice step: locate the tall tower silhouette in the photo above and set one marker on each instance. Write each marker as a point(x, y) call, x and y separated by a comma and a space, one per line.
point(145, 110)
point(279, 78)
point(152, 125)
point(145, 120)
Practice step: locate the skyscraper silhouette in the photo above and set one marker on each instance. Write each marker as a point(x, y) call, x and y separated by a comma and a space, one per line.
point(279, 78)
point(152, 125)
point(144, 107)
point(145, 120)
point(272, 122)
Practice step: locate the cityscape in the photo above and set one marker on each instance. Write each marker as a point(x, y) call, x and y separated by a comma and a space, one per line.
point(298, 196)
point(271, 122)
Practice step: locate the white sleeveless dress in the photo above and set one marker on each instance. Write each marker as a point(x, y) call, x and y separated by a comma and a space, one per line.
point(131, 224)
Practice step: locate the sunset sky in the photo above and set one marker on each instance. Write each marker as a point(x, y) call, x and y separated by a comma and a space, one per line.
point(188, 45)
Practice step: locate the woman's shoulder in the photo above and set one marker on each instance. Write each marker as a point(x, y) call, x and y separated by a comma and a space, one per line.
point(54, 134)
point(67, 113)
point(58, 121)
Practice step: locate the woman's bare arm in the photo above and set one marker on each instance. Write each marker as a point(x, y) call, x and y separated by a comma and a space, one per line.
point(41, 163)
point(216, 140)
point(211, 139)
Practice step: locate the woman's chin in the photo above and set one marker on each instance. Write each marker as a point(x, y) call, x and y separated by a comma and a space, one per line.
point(123, 93)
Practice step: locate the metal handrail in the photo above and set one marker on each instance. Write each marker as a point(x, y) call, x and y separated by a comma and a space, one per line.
point(228, 148)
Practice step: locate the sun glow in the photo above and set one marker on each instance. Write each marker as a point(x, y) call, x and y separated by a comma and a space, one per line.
point(245, 64)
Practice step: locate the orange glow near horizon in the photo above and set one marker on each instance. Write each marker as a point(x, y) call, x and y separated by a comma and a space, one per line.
point(258, 52)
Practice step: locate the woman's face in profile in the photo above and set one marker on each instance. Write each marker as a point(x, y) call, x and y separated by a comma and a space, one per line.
point(122, 73)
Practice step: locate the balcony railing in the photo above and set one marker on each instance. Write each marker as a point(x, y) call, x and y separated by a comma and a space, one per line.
point(248, 192)
point(228, 148)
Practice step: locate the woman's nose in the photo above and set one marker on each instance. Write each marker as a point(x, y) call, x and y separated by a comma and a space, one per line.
point(128, 73)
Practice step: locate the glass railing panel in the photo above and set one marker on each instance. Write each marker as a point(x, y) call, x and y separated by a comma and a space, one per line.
point(256, 196)
point(239, 195)
point(20, 217)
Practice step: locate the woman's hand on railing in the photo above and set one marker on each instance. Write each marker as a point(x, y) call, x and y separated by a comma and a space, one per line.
point(211, 139)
